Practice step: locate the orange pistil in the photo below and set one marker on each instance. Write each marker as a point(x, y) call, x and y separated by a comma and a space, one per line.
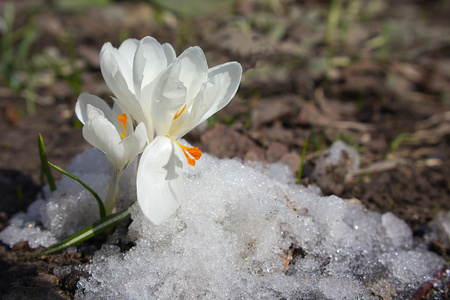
point(178, 114)
point(194, 152)
point(123, 120)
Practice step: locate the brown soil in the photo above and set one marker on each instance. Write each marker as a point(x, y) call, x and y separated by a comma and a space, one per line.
point(390, 101)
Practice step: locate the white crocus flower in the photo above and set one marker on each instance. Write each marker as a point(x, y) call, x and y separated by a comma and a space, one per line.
point(132, 67)
point(175, 95)
point(110, 131)
point(182, 97)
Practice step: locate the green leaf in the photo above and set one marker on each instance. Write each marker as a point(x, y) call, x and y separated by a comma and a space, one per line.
point(402, 137)
point(101, 207)
point(332, 22)
point(302, 162)
point(44, 166)
point(88, 232)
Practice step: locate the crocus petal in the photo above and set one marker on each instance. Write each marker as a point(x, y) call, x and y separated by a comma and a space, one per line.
point(159, 180)
point(119, 77)
point(117, 71)
point(100, 133)
point(93, 112)
point(149, 61)
point(217, 92)
point(104, 135)
point(170, 53)
point(193, 72)
point(81, 106)
point(134, 143)
point(167, 97)
point(127, 50)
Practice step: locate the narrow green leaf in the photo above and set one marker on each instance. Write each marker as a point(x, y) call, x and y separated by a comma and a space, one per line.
point(399, 139)
point(101, 207)
point(302, 162)
point(88, 232)
point(29, 36)
point(44, 166)
point(9, 16)
point(332, 21)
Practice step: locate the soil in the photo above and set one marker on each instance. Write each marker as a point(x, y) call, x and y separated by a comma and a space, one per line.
point(381, 83)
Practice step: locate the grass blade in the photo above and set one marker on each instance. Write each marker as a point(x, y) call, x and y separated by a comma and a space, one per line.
point(302, 162)
point(101, 207)
point(88, 232)
point(332, 22)
point(44, 166)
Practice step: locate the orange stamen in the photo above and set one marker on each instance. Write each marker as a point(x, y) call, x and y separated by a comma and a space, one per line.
point(123, 120)
point(194, 152)
point(178, 114)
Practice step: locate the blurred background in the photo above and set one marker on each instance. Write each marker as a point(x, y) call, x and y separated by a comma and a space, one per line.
point(374, 74)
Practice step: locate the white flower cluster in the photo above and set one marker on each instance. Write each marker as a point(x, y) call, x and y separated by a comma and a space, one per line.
point(158, 99)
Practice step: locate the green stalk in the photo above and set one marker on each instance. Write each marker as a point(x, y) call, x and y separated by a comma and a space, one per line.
point(88, 232)
point(99, 201)
point(44, 166)
point(113, 189)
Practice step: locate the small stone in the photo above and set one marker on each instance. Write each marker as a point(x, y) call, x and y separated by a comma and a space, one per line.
point(21, 246)
point(335, 166)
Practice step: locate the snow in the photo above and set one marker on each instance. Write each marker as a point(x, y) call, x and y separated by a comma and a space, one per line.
point(441, 227)
point(243, 232)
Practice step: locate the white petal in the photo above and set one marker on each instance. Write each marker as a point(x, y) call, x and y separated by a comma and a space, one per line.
point(134, 143)
point(149, 61)
point(100, 133)
point(170, 53)
point(117, 72)
point(127, 50)
point(221, 86)
point(119, 78)
point(93, 112)
point(81, 106)
point(168, 96)
point(159, 180)
point(193, 73)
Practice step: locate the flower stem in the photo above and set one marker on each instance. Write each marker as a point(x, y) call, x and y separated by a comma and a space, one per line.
point(113, 189)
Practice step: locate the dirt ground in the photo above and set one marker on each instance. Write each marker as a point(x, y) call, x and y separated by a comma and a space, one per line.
point(379, 79)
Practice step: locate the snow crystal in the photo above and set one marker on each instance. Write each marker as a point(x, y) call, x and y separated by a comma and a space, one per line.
point(441, 227)
point(396, 230)
point(243, 232)
point(21, 228)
